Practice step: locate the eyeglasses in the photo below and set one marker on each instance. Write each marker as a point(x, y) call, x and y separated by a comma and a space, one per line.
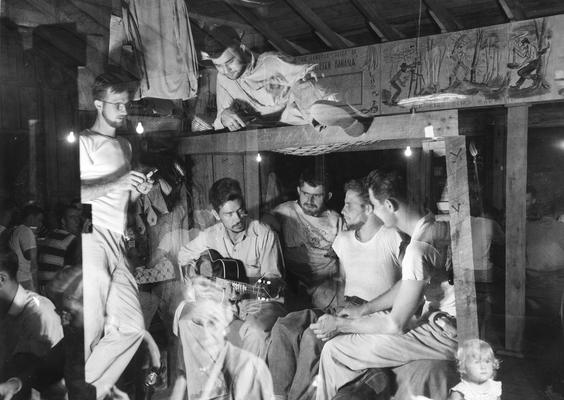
point(119, 106)
point(316, 196)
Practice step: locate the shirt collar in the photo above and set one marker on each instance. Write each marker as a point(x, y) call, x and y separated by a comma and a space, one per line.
point(251, 66)
point(19, 302)
point(429, 218)
point(226, 235)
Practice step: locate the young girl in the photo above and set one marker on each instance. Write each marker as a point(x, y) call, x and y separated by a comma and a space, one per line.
point(477, 366)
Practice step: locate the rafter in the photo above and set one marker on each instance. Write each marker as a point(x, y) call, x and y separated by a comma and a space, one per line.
point(444, 19)
point(270, 34)
point(385, 31)
point(512, 9)
point(331, 38)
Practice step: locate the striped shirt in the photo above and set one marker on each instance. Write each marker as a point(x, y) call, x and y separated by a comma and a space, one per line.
point(55, 251)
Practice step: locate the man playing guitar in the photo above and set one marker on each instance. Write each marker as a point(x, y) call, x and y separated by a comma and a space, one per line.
point(252, 243)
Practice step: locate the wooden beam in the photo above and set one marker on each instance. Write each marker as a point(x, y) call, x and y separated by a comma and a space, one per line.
point(205, 21)
point(301, 50)
point(385, 31)
point(512, 9)
point(335, 42)
point(461, 238)
point(348, 42)
point(443, 18)
point(392, 127)
point(328, 43)
point(516, 220)
point(260, 25)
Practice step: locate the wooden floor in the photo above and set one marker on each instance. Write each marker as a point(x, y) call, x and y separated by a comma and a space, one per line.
point(519, 376)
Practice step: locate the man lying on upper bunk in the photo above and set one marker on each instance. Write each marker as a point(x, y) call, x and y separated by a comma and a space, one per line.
point(258, 88)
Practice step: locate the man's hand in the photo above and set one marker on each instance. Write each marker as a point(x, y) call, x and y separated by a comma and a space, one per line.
point(10, 388)
point(326, 327)
point(313, 76)
point(145, 187)
point(352, 312)
point(199, 125)
point(130, 181)
point(231, 120)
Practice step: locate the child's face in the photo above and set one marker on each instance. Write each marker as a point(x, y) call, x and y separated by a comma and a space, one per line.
point(479, 368)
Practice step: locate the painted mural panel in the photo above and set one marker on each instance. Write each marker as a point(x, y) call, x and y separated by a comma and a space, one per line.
point(353, 74)
point(536, 59)
point(465, 69)
point(401, 75)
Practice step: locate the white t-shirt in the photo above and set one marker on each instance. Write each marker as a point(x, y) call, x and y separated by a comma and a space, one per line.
point(104, 157)
point(425, 259)
point(21, 240)
point(307, 242)
point(371, 268)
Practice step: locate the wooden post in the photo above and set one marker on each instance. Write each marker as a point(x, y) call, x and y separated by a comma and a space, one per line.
point(33, 125)
point(498, 169)
point(461, 237)
point(252, 177)
point(252, 185)
point(516, 219)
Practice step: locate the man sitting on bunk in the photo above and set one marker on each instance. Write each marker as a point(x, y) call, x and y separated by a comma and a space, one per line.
point(271, 86)
point(368, 336)
point(369, 256)
point(307, 230)
point(255, 245)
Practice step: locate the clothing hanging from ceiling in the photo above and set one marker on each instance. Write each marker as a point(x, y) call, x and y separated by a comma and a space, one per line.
point(159, 31)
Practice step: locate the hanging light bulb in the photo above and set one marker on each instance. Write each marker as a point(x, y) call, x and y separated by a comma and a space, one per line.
point(259, 158)
point(71, 137)
point(408, 151)
point(139, 128)
point(429, 132)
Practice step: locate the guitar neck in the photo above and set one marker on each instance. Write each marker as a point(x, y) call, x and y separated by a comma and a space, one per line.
point(242, 287)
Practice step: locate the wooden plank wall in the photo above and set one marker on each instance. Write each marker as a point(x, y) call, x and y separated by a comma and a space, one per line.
point(515, 237)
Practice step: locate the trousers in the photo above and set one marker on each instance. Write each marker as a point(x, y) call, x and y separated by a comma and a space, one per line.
point(113, 321)
point(346, 357)
point(293, 356)
point(255, 331)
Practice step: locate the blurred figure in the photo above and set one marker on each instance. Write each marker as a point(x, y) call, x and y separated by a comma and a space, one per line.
point(23, 243)
point(61, 246)
point(29, 327)
point(210, 367)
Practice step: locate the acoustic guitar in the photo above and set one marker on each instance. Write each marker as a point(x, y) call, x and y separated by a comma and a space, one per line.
point(229, 274)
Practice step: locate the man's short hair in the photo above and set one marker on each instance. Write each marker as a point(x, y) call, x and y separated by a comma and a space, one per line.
point(219, 39)
point(63, 209)
point(358, 186)
point(531, 189)
point(387, 185)
point(113, 81)
point(224, 190)
point(9, 263)
point(314, 178)
point(31, 210)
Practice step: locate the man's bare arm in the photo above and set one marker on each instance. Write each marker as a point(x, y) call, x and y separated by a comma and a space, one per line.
point(91, 190)
point(407, 300)
point(381, 303)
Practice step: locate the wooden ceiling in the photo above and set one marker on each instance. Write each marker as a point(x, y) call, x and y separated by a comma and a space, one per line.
point(311, 26)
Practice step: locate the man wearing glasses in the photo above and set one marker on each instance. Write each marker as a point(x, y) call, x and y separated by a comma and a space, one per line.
point(308, 229)
point(256, 246)
point(113, 322)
